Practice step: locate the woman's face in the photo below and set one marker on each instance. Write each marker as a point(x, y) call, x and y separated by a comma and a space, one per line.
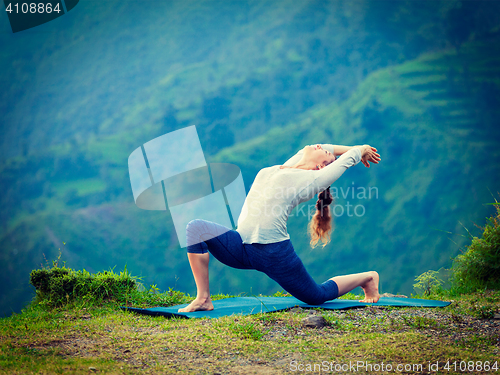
point(318, 155)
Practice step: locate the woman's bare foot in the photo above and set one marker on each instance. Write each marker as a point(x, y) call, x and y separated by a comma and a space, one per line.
point(199, 304)
point(371, 289)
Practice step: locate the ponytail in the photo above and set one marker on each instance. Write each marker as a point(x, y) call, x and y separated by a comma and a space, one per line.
point(320, 226)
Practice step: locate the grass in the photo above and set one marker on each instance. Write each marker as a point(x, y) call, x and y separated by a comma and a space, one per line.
point(96, 336)
point(75, 325)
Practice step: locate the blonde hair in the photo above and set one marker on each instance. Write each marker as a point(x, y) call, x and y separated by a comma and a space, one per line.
point(320, 226)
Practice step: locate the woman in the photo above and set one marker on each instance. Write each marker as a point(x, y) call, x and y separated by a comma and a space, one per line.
point(261, 241)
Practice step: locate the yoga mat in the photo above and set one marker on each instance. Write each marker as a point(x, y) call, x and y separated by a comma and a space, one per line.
point(255, 305)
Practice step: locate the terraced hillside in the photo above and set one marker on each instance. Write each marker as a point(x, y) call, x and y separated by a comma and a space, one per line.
point(435, 122)
point(433, 119)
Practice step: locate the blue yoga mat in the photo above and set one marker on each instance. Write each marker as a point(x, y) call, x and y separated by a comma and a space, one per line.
point(255, 305)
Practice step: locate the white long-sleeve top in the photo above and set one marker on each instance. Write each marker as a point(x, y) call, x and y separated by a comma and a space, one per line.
point(275, 192)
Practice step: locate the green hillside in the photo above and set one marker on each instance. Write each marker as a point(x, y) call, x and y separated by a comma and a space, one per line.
point(430, 121)
point(436, 148)
point(259, 86)
point(233, 68)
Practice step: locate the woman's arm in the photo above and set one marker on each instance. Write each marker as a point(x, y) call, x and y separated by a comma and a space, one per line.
point(369, 153)
point(339, 149)
point(329, 174)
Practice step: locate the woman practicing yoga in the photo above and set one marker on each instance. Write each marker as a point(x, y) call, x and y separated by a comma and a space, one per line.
point(261, 241)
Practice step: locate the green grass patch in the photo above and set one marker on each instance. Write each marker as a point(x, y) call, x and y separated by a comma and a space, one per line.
point(75, 326)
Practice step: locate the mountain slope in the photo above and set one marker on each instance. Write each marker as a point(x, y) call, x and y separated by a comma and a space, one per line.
point(433, 118)
point(434, 122)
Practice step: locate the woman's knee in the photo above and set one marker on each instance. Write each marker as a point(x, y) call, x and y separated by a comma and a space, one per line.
point(312, 300)
point(312, 293)
point(317, 299)
point(194, 233)
point(204, 230)
point(194, 224)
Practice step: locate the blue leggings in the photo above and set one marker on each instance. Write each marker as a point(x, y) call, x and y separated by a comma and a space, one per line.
point(277, 260)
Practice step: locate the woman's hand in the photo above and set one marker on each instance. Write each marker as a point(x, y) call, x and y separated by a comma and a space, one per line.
point(369, 154)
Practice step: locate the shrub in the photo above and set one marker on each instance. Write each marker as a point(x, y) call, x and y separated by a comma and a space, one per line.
point(479, 267)
point(58, 285)
point(428, 283)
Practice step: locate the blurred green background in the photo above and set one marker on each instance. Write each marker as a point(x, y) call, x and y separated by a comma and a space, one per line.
point(419, 80)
